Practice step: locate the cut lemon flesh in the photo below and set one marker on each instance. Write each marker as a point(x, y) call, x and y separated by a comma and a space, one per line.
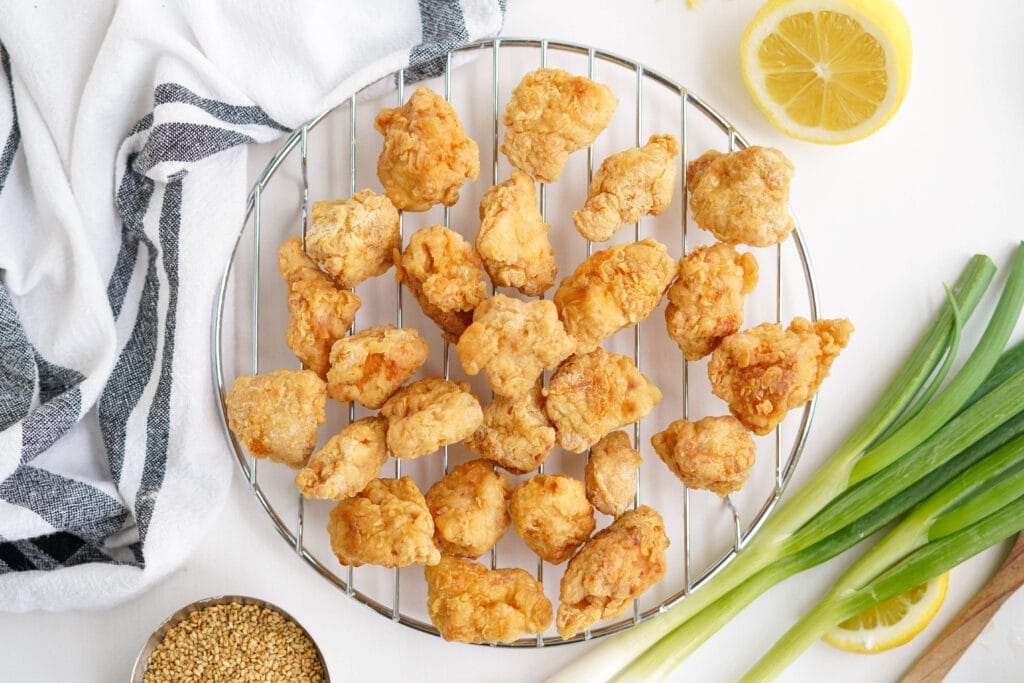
point(893, 622)
point(830, 71)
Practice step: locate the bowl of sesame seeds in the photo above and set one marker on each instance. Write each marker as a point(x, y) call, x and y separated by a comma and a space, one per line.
point(230, 638)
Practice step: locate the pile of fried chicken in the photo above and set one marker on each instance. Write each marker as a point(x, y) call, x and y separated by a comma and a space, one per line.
point(761, 373)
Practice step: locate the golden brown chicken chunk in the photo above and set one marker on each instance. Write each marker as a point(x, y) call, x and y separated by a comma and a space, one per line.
point(765, 371)
point(705, 303)
point(472, 604)
point(371, 364)
point(276, 415)
point(386, 524)
point(551, 114)
point(347, 462)
point(427, 156)
point(617, 565)
point(444, 273)
point(713, 453)
point(516, 433)
point(614, 288)
point(319, 313)
point(513, 342)
point(594, 393)
point(610, 474)
point(552, 515)
point(513, 238)
point(629, 185)
point(470, 509)
point(353, 238)
point(428, 414)
point(742, 197)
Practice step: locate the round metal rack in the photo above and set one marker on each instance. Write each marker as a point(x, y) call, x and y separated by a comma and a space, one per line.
point(289, 515)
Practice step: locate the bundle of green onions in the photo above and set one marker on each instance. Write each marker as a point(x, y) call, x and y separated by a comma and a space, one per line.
point(942, 459)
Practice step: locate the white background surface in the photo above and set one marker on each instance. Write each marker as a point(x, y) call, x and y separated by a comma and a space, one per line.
point(887, 220)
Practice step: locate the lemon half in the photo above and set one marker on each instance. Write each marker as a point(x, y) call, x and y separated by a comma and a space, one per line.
point(828, 71)
point(893, 622)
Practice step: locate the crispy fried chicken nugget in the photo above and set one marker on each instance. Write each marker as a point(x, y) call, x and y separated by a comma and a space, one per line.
point(429, 413)
point(472, 604)
point(347, 462)
point(552, 515)
point(516, 433)
point(742, 197)
point(513, 342)
point(614, 288)
point(765, 371)
point(353, 238)
point(387, 524)
point(370, 365)
point(610, 474)
point(319, 312)
point(594, 393)
point(276, 415)
point(444, 273)
point(427, 156)
point(617, 565)
point(713, 453)
point(513, 238)
point(705, 303)
point(551, 114)
point(470, 509)
point(629, 185)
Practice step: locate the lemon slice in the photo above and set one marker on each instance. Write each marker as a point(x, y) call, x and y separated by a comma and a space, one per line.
point(828, 71)
point(893, 622)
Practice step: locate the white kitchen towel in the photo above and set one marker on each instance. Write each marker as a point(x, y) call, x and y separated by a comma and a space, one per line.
point(122, 186)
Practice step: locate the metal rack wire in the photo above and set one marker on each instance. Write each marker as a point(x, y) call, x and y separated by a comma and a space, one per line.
point(689, 105)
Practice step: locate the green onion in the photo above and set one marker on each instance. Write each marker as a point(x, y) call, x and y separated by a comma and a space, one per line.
point(919, 438)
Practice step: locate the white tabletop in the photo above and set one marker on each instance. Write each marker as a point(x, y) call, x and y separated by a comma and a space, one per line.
point(887, 220)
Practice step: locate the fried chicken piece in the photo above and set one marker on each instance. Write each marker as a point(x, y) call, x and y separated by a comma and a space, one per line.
point(513, 342)
point(470, 509)
point(610, 474)
point(353, 238)
point(513, 238)
point(472, 604)
point(551, 114)
point(370, 365)
point(612, 289)
point(347, 462)
point(765, 371)
point(705, 303)
point(444, 273)
point(594, 393)
point(629, 185)
point(552, 515)
point(276, 415)
point(742, 197)
point(319, 313)
point(387, 524)
point(515, 434)
point(428, 414)
point(713, 453)
point(427, 156)
point(617, 565)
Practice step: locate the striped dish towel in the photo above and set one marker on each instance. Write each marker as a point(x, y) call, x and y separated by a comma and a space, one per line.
point(122, 186)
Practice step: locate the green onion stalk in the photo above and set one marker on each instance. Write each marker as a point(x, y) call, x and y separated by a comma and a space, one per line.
point(901, 452)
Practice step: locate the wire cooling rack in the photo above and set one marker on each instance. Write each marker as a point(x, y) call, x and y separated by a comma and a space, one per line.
point(706, 532)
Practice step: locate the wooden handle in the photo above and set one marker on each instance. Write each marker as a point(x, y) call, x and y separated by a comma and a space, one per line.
point(940, 657)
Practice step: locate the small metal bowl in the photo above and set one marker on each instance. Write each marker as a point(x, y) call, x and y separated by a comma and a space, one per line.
point(142, 661)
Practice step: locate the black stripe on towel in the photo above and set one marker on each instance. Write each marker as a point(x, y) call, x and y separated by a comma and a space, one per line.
point(238, 115)
point(444, 27)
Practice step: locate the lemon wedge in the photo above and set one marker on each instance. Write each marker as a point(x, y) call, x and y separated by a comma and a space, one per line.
point(827, 71)
point(893, 622)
